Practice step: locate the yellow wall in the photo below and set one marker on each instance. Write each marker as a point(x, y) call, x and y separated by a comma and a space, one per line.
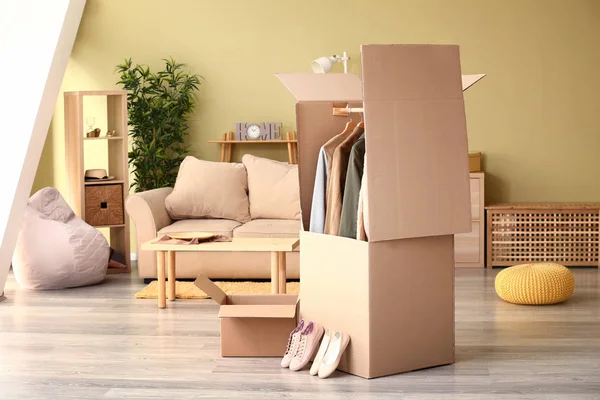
point(535, 116)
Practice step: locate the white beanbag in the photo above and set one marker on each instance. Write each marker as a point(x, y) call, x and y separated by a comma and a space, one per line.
point(56, 249)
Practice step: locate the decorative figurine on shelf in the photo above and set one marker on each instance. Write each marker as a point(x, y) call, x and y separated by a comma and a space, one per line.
point(260, 131)
point(93, 134)
point(110, 133)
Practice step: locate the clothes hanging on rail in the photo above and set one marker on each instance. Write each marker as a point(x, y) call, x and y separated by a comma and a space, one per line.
point(354, 174)
point(337, 180)
point(363, 217)
point(319, 200)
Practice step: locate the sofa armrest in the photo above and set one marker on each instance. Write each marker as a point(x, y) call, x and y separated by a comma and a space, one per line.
point(149, 215)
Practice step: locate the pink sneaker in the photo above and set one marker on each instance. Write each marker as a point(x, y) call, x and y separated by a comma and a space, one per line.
point(309, 341)
point(292, 345)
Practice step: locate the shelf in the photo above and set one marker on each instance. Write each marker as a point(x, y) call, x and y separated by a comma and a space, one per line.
point(252, 141)
point(109, 226)
point(98, 93)
point(227, 141)
point(111, 270)
point(111, 182)
point(104, 138)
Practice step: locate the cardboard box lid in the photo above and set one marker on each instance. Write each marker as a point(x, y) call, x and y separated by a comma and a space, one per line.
point(323, 87)
point(258, 311)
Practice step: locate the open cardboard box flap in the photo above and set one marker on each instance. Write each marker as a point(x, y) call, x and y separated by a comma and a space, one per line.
point(415, 122)
point(208, 287)
point(249, 306)
point(258, 311)
point(470, 80)
point(323, 87)
point(338, 86)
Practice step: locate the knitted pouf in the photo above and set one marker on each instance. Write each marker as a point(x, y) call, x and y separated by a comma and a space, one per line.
point(541, 283)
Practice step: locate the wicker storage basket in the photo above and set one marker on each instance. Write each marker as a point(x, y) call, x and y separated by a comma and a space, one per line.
point(564, 233)
point(104, 205)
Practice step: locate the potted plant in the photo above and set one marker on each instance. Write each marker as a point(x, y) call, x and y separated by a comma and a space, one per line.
point(159, 105)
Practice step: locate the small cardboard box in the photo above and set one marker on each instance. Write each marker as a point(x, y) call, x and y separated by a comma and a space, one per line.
point(474, 162)
point(253, 325)
point(394, 295)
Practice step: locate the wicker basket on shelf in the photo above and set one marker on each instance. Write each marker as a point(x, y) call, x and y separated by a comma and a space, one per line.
point(104, 205)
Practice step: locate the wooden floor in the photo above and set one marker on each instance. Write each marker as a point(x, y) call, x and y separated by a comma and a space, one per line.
point(101, 343)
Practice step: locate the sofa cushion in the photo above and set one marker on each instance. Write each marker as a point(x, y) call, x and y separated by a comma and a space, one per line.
point(216, 226)
point(268, 228)
point(205, 189)
point(273, 188)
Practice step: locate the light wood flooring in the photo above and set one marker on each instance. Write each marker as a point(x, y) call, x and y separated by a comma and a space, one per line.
point(101, 343)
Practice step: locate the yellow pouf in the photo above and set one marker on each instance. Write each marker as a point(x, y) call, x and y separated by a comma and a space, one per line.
point(540, 283)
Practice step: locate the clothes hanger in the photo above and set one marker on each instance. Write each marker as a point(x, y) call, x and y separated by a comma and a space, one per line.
point(350, 125)
point(361, 124)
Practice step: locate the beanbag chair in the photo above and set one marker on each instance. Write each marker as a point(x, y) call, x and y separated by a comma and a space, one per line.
point(55, 248)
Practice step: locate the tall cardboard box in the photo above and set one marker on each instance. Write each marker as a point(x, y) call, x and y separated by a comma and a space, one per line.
point(394, 295)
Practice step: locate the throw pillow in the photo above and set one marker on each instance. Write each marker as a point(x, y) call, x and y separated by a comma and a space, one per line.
point(205, 189)
point(273, 188)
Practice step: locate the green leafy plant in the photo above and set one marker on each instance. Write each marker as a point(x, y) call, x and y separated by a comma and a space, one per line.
point(159, 105)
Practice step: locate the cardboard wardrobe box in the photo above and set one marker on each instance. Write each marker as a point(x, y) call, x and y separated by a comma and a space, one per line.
point(252, 325)
point(394, 295)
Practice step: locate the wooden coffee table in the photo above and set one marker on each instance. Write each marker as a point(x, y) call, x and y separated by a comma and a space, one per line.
point(278, 247)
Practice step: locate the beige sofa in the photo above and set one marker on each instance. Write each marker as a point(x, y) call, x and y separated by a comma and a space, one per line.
point(149, 214)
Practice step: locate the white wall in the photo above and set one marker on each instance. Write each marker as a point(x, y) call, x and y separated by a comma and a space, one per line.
point(36, 38)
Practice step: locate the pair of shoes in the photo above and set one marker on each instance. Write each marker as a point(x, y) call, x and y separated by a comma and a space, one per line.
point(330, 353)
point(302, 344)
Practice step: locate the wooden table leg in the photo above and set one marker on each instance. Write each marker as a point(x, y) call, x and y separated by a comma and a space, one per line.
point(295, 147)
point(230, 149)
point(223, 147)
point(160, 275)
point(172, 274)
point(274, 272)
point(282, 273)
point(288, 136)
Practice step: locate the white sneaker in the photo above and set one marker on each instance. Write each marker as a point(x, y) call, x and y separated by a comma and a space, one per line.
point(338, 343)
point(314, 369)
point(292, 345)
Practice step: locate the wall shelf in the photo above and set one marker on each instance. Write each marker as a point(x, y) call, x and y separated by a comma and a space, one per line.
point(116, 117)
point(228, 141)
point(253, 141)
point(111, 182)
point(104, 138)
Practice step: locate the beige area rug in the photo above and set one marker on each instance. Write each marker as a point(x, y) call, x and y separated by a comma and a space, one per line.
point(187, 290)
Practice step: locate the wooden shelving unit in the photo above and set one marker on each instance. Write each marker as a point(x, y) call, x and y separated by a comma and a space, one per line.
point(228, 141)
point(116, 110)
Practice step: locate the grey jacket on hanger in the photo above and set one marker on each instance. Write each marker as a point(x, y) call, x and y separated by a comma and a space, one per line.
point(356, 164)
